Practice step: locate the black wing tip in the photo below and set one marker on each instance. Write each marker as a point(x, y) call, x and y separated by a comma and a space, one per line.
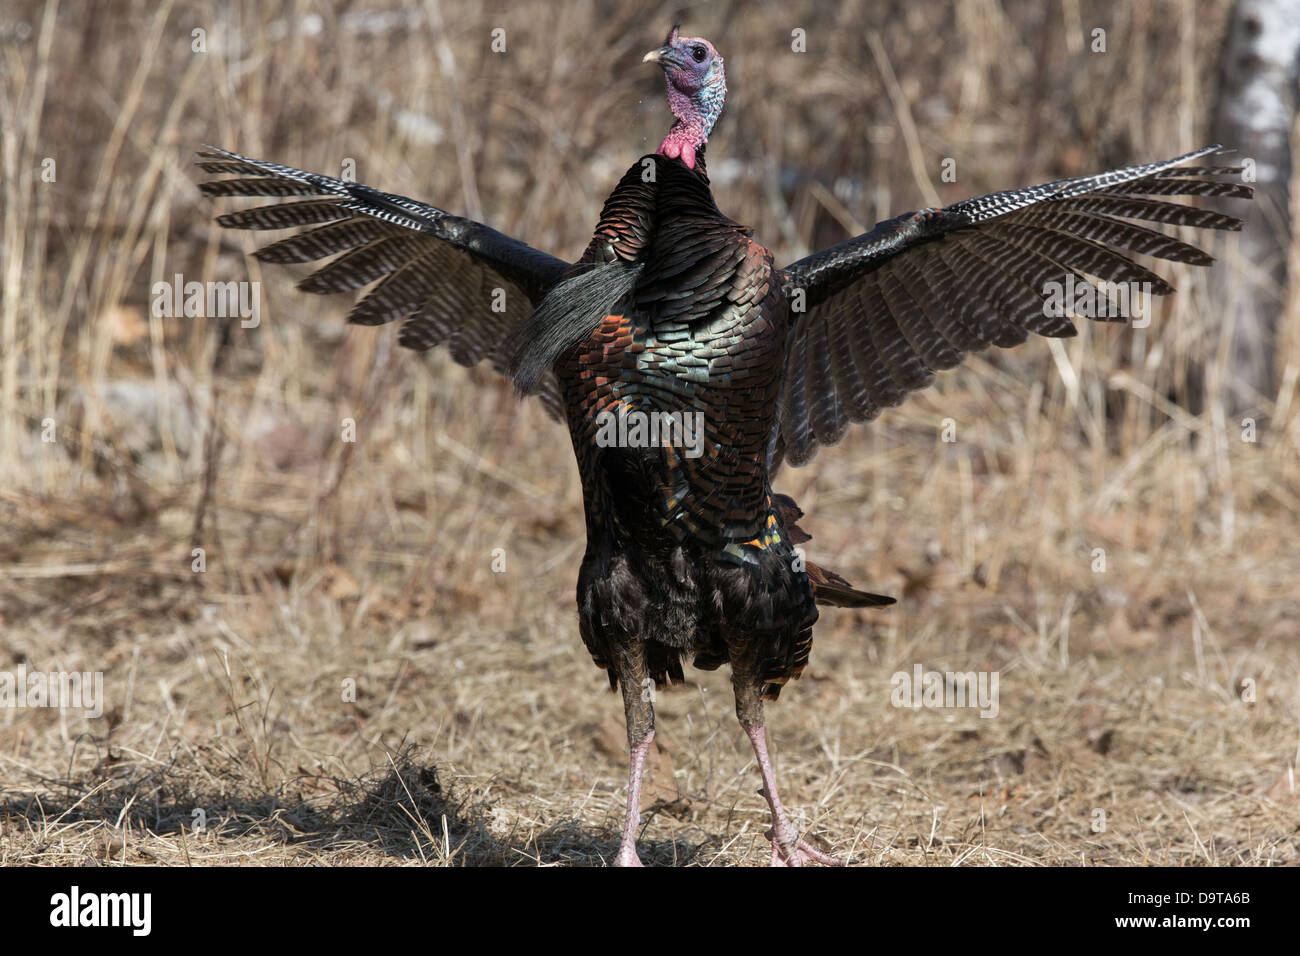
point(860, 599)
point(217, 152)
point(363, 319)
point(316, 286)
point(1214, 149)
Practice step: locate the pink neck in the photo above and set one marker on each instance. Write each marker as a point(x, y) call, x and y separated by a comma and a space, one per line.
point(688, 133)
point(683, 140)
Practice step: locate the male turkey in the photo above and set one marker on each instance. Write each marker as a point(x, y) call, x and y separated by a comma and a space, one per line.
point(675, 310)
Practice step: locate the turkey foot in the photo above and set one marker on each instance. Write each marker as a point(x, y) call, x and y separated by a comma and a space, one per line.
point(788, 848)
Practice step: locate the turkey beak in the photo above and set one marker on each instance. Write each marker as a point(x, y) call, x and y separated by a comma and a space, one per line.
point(656, 56)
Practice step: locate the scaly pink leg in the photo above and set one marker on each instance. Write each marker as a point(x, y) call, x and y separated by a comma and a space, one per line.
point(632, 822)
point(788, 848)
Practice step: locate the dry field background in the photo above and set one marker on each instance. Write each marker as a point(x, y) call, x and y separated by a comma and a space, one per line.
point(481, 733)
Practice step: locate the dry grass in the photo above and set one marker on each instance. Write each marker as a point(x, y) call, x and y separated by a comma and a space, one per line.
point(481, 733)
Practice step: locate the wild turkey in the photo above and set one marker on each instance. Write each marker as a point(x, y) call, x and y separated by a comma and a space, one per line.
point(675, 310)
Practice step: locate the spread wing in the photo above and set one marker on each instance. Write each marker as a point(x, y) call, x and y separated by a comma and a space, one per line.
point(453, 281)
point(882, 312)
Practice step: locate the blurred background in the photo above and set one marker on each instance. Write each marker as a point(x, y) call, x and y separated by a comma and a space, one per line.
point(179, 511)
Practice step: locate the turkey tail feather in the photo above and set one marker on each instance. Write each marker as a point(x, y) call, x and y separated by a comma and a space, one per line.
point(831, 589)
point(828, 587)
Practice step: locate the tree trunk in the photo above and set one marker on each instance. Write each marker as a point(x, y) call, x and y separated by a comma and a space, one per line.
point(1259, 70)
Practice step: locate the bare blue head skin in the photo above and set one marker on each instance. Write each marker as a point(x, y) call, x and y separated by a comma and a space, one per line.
point(697, 88)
